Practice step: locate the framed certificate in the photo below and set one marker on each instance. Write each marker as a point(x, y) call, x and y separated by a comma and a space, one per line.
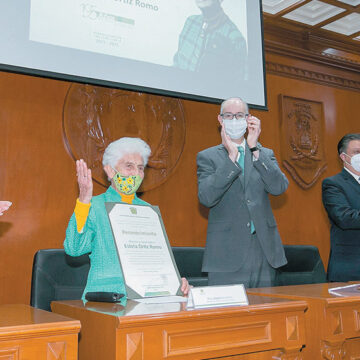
point(144, 251)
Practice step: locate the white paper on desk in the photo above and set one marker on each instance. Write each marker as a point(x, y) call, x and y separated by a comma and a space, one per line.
point(347, 290)
point(162, 300)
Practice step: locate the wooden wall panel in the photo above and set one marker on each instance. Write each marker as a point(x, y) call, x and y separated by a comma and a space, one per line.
point(300, 214)
point(35, 176)
point(37, 172)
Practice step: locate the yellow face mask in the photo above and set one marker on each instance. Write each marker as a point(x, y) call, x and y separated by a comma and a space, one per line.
point(127, 184)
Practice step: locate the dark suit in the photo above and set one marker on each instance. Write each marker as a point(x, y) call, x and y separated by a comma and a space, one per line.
point(341, 198)
point(234, 202)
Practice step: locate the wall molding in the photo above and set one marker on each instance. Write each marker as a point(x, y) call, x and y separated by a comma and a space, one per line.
point(313, 76)
point(315, 56)
point(297, 42)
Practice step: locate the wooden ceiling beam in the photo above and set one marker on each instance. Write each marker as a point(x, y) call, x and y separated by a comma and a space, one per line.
point(312, 38)
point(289, 9)
point(340, 4)
point(331, 19)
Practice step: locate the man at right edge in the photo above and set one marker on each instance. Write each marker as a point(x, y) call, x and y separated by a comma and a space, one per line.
point(341, 199)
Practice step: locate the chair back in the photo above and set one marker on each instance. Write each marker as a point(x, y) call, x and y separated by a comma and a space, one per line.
point(304, 266)
point(189, 262)
point(57, 276)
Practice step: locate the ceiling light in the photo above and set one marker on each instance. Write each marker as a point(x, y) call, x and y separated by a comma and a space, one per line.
point(313, 12)
point(275, 6)
point(351, 2)
point(347, 25)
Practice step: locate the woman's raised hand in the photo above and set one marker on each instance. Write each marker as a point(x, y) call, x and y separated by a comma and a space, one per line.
point(85, 182)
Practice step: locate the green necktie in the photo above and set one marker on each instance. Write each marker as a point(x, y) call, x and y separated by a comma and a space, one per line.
point(241, 162)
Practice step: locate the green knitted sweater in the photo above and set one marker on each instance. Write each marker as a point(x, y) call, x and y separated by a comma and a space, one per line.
point(97, 240)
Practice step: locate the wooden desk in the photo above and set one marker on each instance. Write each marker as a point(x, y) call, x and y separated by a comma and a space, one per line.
point(266, 329)
point(27, 333)
point(332, 322)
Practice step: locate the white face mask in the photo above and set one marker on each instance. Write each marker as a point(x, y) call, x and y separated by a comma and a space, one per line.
point(355, 162)
point(235, 128)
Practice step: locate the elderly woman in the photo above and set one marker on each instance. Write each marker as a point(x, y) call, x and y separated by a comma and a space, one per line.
point(89, 229)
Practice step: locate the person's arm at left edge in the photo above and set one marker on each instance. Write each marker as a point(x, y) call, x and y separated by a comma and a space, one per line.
point(4, 206)
point(264, 161)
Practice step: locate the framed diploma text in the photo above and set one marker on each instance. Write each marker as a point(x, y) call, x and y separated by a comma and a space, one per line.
point(144, 251)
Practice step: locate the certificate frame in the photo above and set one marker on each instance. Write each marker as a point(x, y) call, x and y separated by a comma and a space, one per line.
point(132, 210)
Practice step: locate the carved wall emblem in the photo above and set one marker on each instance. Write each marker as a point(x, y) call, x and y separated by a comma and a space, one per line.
point(95, 116)
point(302, 147)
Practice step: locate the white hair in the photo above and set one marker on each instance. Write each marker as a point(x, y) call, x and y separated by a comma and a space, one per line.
point(126, 145)
point(234, 99)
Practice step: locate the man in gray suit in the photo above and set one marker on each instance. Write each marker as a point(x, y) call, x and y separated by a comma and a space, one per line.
point(234, 179)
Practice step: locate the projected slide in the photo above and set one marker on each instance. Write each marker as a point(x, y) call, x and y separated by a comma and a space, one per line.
point(205, 50)
point(144, 30)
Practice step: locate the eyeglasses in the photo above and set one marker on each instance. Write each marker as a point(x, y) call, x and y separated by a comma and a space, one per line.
point(230, 116)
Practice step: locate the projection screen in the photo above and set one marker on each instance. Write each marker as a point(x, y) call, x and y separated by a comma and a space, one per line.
point(157, 46)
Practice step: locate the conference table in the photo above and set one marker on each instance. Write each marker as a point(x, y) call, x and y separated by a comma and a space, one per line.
point(332, 322)
point(267, 328)
point(27, 333)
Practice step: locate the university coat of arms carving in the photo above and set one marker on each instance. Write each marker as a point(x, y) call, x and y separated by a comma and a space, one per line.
point(95, 116)
point(302, 146)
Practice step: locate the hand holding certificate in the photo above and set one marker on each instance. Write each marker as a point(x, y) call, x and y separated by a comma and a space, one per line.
point(144, 251)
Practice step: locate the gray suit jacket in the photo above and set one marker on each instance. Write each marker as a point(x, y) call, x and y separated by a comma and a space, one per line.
point(234, 203)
